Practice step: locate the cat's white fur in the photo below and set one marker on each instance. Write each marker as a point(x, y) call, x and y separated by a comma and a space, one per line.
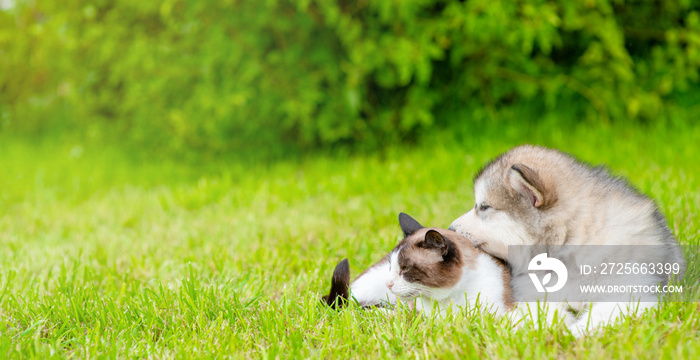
point(370, 288)
point(484, 284)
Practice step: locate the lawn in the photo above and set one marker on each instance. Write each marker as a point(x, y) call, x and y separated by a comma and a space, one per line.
point(112, 254)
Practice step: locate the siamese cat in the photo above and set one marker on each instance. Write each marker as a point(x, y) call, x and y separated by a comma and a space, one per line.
point(429, 267)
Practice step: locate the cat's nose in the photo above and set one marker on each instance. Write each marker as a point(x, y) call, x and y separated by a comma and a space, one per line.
point(389, 284)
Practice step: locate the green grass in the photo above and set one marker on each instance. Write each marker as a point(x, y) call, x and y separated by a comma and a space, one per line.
point(110, 254)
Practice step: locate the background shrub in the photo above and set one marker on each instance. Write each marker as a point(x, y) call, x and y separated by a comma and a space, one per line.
point(234, 75)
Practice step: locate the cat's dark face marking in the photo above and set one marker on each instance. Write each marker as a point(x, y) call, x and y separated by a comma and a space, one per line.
point(426, 256)
point(427, 259)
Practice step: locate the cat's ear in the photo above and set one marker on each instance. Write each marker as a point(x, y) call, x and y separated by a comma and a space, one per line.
point(408, 224)
point(435, 241)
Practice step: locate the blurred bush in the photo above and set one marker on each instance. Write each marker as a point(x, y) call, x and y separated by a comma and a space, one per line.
point(232, 75)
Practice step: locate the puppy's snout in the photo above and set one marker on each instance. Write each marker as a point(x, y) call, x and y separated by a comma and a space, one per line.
point(459, 229)
point(389, 284)
point(455, 225)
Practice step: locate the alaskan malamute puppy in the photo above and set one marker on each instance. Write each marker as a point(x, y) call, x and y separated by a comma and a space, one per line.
point(537, 196)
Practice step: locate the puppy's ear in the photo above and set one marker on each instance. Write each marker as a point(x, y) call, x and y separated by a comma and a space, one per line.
point(435, 240)
point(340, 286)
point(526, 181)
point(408, 224)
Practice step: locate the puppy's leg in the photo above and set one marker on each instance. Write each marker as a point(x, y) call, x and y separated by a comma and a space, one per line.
point(370, 287)
point(602, 313)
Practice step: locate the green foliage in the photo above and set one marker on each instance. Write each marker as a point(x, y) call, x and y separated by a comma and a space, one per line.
point(223, 75)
